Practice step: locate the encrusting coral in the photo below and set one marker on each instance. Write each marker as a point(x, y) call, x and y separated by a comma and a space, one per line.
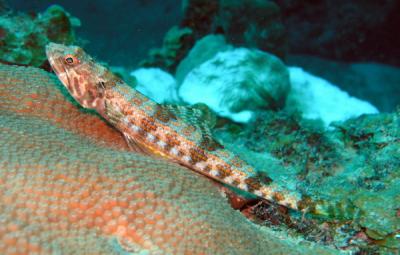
point(356, 166)
point(23, 37)
point(69, 185)
point(177, 43)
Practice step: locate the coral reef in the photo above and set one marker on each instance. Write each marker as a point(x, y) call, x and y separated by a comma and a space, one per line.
point(369, 81)
point(312, 96)
point(253, 24)
point(177, 43)
point(243, 23)
point(343, 30)
point(23, 37)
point(355, 167)
point(237, 82)
point(69, 185)
point(316, 98)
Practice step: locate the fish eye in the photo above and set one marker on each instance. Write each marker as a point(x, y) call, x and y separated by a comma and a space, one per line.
point(70, 59)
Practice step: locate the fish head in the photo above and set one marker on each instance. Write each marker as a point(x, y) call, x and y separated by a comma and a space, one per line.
point(79, 73)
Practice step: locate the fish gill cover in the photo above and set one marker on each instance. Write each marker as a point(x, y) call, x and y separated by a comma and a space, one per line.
point(304, 91)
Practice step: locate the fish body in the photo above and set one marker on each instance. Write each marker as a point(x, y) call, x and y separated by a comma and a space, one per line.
point(160, 130)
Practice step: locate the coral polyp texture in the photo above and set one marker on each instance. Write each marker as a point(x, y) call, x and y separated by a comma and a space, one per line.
point(69, 185)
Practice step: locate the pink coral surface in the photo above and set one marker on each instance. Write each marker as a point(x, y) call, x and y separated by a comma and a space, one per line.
point(69, 185)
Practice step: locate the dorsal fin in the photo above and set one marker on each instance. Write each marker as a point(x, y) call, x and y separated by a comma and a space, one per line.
point(202, 119)
point(194, 115)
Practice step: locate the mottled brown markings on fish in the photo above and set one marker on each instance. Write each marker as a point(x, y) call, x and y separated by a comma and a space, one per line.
point(252, 184)
point(137, 101)
point(307, 203)
point(224, 171)
point(148, 108)
point(235, 182)
point(82, 72)
point(148, 124)
point(207, 169)
point(167, 147)
point(128, 111)
point(237, 162)
point(77, 86)
point(108, 84)
point(91, 94)
point(197, 155)
point(210, 144)
point(263, 178)
point(277, 196)
point(223, 153)
point(142, 97)
point(188, 130)
point(70, 87)
point(163, 115)
point(181, 154)
point(156, 138)
point(172, 140)
point(111, 78)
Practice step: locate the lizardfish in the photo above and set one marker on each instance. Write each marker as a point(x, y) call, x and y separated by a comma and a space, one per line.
point(161, 130)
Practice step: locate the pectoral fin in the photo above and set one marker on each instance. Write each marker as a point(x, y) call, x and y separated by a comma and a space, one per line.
point(138, 147)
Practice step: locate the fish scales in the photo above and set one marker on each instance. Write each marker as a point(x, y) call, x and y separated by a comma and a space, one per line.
point(155, 129)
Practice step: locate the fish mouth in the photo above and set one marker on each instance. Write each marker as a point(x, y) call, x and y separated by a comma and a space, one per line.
point(55, 54)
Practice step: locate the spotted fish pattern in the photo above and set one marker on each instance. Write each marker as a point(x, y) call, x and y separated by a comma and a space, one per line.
point(172, 132)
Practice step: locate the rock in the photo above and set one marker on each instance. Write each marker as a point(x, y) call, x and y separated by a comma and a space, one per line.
point(243, 23)
point(236, 83)
point(204, 49)
point(23, 37)
point(374, 82)
point(344, 30)
point(316, 98)
point(156, 84)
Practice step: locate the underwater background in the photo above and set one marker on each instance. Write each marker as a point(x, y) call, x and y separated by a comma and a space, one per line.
point(306, 91)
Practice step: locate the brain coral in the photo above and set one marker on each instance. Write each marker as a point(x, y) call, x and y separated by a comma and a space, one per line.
point(69, 186)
